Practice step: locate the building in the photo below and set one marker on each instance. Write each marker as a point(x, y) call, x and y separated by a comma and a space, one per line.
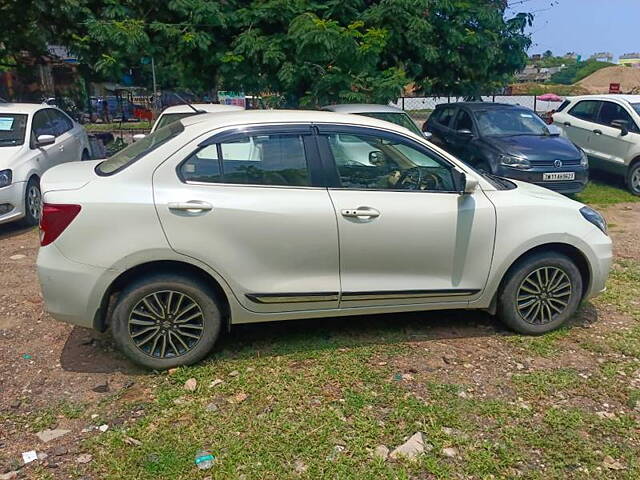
point(630, 59)
point(602, 57)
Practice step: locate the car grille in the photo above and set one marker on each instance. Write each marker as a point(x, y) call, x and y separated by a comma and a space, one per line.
point(550, 163)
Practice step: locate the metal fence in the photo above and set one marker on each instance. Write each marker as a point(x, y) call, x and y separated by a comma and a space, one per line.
point(419, 108)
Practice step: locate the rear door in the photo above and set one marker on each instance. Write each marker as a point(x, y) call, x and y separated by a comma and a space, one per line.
point(580, 122)
point(608, 145)
point(439, 126)
point(460, 145)
point(249, 204)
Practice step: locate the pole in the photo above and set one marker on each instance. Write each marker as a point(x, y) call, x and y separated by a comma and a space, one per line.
point(155, 87)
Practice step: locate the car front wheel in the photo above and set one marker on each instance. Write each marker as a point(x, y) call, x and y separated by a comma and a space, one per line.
point(164, 321)
point(633, 179)
point(540, 293)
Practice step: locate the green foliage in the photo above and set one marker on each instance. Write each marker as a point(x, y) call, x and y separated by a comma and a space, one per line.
point(306, 52)
point(577, 71)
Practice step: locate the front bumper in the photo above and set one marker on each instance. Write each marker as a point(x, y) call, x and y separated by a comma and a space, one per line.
point(72, 291)
point(600, 262)
point(535, 175)
point(12, 202)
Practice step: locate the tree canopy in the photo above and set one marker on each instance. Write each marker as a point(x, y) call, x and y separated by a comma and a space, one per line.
point(309, 51)
point(575, 72)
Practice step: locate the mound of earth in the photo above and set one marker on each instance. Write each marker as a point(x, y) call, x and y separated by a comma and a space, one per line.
point(598, 82)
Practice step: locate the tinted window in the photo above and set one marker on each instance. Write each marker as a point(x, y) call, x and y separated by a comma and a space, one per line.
point(445, 115)
point(12, 129)
point(167, 118)
point(42, 124)
point(509, 122)
point(586, 110)
point(139, 149)
point(463, 121)
point(398, 118)
point(251, 160)
point(370, 162)
point(61, 123)
point(563, 105)
point(636, 107)
point(612, 111)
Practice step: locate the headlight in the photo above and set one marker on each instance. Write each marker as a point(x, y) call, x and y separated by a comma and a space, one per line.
point(5, 178)
point(584, 161)
point(514, 162)
point(594, 217)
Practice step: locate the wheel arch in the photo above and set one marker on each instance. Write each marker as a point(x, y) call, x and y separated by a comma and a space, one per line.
point(175, 267)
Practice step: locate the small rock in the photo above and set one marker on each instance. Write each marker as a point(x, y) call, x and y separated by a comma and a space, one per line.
point(94, 416)
point(407, 377)
point(381, 452)
point(103, 428)
point(299, 466)
point(19, 256)
point(450, 452)
point(173, 371)
point(59, 451)
point(382, 364)
point(16, 403)
point(613, 464)
point(463, 394)
point(43, 455)
point(448, 359)
point(132, 441)
point(411, 449)
point(191, 385)
point(519, 366)
point(235, 373)
point(179, 401)
point(84, 458)
point(102, 387)
point(606, 414)
point(212, 407)
point(48, 435)
point(216, 382)
point(240, 397)
point(250, 369)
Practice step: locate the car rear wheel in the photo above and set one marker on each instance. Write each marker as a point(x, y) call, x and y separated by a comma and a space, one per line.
point(540, 293)
point(32, 203)
point(164, 321)
point(633, 178)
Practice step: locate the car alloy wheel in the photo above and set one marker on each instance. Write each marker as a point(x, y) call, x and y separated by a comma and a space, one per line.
point(166, 324)
point(635, 180)
point(34, 201)
point(543, 295)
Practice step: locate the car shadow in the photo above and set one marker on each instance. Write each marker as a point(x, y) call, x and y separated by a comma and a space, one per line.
point(13, 229)
point(87, 351)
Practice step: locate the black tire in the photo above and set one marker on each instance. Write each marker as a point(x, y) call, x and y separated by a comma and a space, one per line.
point(32, 203)
point(192, 290)
point(633, 178)
point(514, 295)
point(482, 166)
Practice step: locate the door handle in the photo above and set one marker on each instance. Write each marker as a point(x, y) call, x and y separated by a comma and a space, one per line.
point(193, 206)
point(567, 124)
point(61, 148)
point(597, 131)
point(360, 212)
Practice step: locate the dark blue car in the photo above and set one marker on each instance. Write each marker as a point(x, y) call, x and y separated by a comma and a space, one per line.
point(509, 141)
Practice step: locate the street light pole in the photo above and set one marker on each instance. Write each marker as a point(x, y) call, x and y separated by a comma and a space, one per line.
point(155, 88)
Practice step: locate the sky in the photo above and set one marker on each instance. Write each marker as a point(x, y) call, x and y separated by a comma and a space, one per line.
point(583, 26)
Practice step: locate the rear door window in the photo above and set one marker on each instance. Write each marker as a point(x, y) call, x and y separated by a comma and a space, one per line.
point(611, 111)
point(586, 110)
point(463, 121)
point(445, 115)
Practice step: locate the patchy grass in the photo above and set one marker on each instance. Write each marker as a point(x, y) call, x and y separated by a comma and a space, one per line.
point(598, 192)
point(117, 126)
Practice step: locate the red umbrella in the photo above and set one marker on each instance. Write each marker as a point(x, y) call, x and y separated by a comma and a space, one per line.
point(550, 97)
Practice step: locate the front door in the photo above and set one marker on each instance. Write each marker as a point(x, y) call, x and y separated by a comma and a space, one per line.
point(580, 122)
point(608, 146)
point(48, 155)
point(245, 204)
point(406, 236)
point(461, 143)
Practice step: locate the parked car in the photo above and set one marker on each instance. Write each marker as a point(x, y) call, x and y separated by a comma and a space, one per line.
point(178, 112)
point(270, 215)
point(388, 113)
point(509, 141)
point(607, 127)
point(33, 138)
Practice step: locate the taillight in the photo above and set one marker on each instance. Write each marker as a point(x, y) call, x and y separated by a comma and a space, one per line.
point(54, 219)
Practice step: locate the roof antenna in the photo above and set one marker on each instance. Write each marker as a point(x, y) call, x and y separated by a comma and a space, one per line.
point(188, 104)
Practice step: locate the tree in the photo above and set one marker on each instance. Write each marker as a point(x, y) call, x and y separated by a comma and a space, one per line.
point(577, 71)
point(547, 54)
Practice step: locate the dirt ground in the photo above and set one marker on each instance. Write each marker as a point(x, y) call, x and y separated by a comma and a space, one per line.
point(46, 364)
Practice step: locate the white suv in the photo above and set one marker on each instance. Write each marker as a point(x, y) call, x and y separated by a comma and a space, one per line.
point(607, 128)
point(256, 216)
point(33, 138)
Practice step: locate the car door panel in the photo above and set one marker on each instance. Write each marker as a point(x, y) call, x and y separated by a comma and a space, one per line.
point(579, 123)
point(276, 246)
point(48, 155)
point(608, 145)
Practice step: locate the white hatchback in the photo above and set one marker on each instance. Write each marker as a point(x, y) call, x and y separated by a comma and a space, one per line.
point(33, 138)
point(243, 217)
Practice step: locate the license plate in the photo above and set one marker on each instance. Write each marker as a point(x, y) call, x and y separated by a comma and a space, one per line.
point(551, 177)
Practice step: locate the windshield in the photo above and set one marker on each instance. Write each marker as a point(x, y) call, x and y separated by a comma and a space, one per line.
point(510, 122)
point(168, 118)
point(139, 149)
point(12, 129)
point(636, 107)
point(399, 118)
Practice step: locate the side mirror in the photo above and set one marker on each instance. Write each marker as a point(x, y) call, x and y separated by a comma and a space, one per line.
point(470, 184)
point(554, 130)
point(623, 125)
point(464, 184)
point(138, 136)
point(465, 133)
point(377, 158)
point(44, 140)
point(427, 135)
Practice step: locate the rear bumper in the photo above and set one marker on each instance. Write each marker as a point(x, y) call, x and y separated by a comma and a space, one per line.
point(535, 176)
point(12, 202)
point(72, 291)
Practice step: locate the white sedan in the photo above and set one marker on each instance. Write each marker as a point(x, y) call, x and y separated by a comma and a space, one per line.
point(33, 138)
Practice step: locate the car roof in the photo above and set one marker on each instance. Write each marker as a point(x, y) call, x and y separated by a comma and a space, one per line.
point(362, 108)
point(628, 98)
point(206, 107)
point(203, 123)
point(25, 108)
point(480, 105)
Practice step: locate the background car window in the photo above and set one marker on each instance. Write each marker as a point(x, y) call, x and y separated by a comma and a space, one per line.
point(563, 105)
point(509, 122)
point(167, 118)
point(42, 124)
point(612, 111)
point(398, 118)
point(12, 129)
point(370, 162)
point(61, 123)
point(463, 121)
point(445, 115)
point(252, 160)
point(586, 110)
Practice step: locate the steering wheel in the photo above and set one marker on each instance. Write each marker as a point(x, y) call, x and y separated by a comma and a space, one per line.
point(416, 179)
